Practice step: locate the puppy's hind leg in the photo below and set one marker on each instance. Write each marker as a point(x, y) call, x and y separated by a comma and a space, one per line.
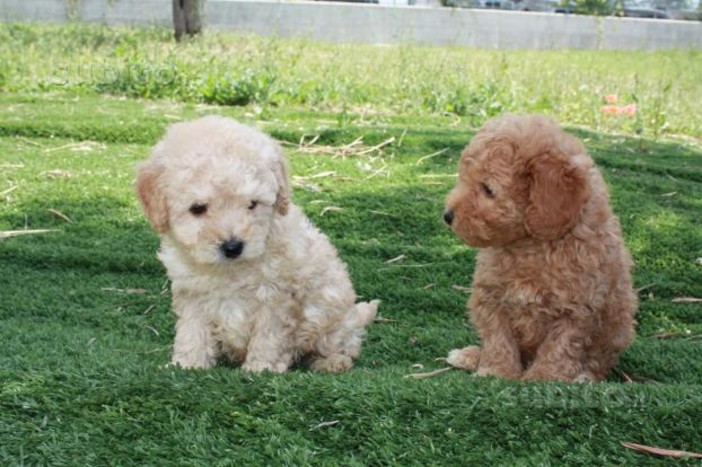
point(339, 342)
point(366, 312)
point(467, 358)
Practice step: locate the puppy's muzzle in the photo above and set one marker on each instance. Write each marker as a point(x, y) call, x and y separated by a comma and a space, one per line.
point(232, 248)
point(448, 217)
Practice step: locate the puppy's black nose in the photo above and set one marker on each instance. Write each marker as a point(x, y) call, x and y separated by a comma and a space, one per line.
point(448, 217)
point(232, 248)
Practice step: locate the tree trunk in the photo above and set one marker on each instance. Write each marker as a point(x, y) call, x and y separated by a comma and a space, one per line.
point(187, 17)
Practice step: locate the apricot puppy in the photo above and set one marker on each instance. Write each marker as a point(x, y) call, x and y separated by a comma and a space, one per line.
point(252, 279)
point(552, 296)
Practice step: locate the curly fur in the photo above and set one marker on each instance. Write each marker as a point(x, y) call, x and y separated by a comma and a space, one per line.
point(552, 296)
point(252, 279)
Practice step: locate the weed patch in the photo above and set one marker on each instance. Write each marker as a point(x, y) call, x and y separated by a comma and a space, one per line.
point(662, 88)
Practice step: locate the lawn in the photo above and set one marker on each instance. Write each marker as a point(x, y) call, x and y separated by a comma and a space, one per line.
point(85, 308)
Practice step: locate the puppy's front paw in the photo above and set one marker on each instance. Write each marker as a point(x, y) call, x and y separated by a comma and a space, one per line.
point(585, 377)
point(188, 364)
point(258, 366)
point(506, 372)
point(466, 358)
point(540, 373)
point(332, 364)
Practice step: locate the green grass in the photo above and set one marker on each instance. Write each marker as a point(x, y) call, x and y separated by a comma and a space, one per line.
point(81, 377)
point(355, 82)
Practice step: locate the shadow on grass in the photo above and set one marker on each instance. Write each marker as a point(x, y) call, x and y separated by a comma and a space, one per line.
point(655, 190)
point(110, 245)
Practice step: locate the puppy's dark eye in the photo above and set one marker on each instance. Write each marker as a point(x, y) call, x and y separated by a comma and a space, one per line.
point(198, 209)
point(487, 190)
point(253, 205)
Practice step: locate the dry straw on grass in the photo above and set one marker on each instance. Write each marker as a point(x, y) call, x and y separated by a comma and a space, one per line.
point(16, 233)
point(355, 148)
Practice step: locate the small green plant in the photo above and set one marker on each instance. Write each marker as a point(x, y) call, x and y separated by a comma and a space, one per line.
point(658, 115)
point(140, 77)
point(592, 7)
point(239, 89)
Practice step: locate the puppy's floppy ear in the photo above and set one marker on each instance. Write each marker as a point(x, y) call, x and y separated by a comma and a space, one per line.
point(280, 170)
point(558, 190)
point(151, 195)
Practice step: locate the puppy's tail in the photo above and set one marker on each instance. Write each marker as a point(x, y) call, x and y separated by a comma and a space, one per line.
point(366, 311)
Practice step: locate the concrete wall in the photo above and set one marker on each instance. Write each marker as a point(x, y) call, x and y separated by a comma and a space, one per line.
point(377, 24)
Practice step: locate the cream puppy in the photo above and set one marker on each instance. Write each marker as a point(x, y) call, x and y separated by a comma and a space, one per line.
point(252, 279)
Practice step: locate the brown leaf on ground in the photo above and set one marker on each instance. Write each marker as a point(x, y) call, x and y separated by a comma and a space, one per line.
point(660, 451)
point(60, 215)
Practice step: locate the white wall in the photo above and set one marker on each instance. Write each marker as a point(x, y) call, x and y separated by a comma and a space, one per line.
point(381, 24)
